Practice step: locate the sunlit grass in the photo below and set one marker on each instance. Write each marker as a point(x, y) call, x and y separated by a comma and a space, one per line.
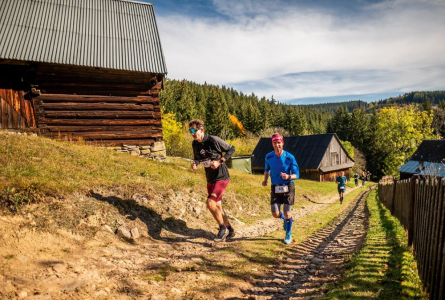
point(385, 267)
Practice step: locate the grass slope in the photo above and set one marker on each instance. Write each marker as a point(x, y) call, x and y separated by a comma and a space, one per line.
point(33, 169)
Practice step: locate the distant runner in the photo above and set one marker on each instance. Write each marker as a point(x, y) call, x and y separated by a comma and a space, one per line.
point(283, 170)
point(363, 178)
point(207, 150)
point(341, 186)
point(356, 177)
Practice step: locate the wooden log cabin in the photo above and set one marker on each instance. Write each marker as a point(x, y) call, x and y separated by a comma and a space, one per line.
point(320, 157)
point(81, 69)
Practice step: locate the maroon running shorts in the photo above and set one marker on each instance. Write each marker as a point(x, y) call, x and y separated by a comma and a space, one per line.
point(216, 189)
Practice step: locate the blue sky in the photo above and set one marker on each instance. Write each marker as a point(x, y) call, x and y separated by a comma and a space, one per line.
point(306, 52)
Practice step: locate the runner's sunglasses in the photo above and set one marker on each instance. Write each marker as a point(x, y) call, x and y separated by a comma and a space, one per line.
point(193, 130)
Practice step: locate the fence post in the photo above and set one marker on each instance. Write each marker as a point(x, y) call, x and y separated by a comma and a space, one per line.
point(393, 197)
point(412, 198)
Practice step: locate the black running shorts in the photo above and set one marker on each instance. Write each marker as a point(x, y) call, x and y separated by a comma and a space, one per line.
point(287, 198)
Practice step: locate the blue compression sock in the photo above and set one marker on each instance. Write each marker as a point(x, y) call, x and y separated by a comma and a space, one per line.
point(289, 224)
point(282, 215)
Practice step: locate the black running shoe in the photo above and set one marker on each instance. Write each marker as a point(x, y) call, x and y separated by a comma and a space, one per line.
point(231, 234)
point(222, 234)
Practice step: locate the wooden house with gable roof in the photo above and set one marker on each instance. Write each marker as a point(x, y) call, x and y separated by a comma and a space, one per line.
point(428, 160)
point(320, 157)
point(81, 69)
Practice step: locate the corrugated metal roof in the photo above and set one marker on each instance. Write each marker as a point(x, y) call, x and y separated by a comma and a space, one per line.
point(112, 34)
point(307, 149)
point(430, 169)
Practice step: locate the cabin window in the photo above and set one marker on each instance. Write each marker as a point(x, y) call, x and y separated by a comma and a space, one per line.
point(335, 158)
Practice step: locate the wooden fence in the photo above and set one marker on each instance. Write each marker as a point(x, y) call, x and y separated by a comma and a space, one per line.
point(419, 204)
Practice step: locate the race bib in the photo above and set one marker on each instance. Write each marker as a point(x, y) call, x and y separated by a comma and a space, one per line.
point(206, 163)
point(342, 188)
point(281, 189)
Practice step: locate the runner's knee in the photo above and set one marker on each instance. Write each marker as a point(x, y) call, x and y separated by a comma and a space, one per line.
point(276, 214)
point(211, 204)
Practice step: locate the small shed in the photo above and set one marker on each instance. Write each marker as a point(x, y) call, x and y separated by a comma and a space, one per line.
point(428, 160)
point(320, 157)
point(82, 69)
point(241, 163)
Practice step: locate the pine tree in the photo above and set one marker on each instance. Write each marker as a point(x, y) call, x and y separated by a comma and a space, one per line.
point(359, 124)
point(253, 120)
point(217, 115)
point(186, 110)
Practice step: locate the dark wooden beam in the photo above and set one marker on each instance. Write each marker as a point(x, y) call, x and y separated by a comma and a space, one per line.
point(83, 128)
point(108, 135)
point(98, 114)
point(94, 106)
point(100, 122)
point(95, 98)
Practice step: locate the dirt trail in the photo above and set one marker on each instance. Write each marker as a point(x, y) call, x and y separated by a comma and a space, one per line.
point(65, 266)
point(319, 260)
point(269, 225)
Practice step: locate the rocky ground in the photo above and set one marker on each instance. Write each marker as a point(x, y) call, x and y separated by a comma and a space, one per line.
point(59, 264)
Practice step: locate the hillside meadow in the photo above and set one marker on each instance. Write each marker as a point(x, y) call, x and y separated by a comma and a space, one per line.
point(35, 169)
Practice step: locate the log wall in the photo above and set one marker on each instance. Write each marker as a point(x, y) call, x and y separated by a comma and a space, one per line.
point(103, 120)
point(103, 107)
point(16, 112)
point(332, 176)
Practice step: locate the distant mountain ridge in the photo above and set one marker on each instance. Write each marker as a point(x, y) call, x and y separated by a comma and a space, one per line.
point(435, 97)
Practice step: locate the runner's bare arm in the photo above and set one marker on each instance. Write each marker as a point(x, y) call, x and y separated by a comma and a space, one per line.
point(266, 177)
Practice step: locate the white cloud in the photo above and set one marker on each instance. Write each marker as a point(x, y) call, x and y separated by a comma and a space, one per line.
point(260, 43)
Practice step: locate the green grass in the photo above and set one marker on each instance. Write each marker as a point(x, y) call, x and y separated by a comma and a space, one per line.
point(33, 169)
point(385, 268)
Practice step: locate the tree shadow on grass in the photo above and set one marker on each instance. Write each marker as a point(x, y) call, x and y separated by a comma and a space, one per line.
point(383, 280)
point(394, 273)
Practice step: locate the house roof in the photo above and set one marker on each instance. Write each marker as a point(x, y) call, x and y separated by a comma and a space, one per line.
point(431, 156)
point(430, 151)
point(307, 149)
point(337, 167)
point(110, 34)
point(429, 168)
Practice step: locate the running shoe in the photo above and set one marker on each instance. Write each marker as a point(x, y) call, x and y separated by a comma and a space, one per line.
point(288, 238)
point(222, 234)
point(231, 234)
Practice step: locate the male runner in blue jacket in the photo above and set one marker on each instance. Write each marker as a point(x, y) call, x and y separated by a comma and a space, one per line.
point(282, 168)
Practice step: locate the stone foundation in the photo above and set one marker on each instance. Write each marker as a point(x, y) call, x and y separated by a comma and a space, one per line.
point(154, 151)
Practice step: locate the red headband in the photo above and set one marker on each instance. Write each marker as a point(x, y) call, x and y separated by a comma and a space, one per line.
point(277, 137)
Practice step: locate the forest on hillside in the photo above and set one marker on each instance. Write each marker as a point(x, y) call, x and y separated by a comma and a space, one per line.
point(433, 97)
point(386, 132)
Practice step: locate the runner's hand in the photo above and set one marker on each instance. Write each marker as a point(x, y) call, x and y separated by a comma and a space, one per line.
point(194, 166)
point(264, 183)
point(215, 164)
point(284, 176)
